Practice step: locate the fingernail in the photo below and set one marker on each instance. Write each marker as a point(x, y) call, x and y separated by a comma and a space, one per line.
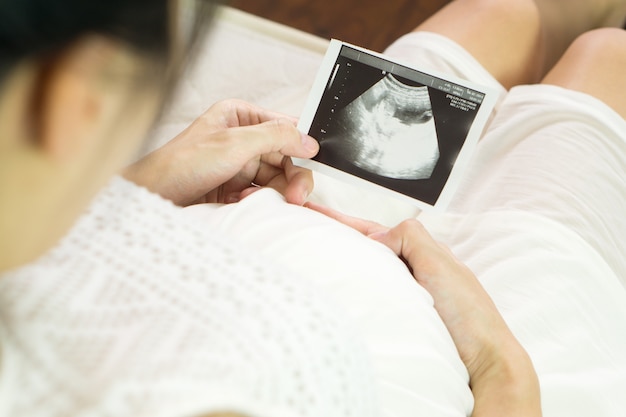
point(309, 143)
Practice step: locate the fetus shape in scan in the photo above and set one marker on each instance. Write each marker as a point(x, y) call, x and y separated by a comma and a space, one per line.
point(389, 131)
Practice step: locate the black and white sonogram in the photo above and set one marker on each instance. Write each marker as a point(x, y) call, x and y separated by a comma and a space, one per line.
point(386, 124)
point(388, 131)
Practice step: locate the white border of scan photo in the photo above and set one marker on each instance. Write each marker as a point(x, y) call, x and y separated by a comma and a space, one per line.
point(458, 170)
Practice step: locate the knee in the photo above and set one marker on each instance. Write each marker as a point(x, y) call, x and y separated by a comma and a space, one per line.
point(594, 64)
point(523, 12)
point(601, 45)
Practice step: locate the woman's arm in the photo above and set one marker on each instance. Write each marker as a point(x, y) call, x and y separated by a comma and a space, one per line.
point(502, 377)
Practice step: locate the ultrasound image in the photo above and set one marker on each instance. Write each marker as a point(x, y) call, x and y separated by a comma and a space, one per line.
point(391, 125)
point(388, 131)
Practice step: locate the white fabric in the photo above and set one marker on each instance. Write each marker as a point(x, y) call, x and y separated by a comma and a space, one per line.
point(418, 369)
point(559, 154)
point(139, 313)
point(432, 51)
point(539, 219)
point(559, 297)
point(551, 273)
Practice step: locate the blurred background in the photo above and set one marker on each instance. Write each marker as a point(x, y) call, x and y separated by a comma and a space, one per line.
point(372, 24)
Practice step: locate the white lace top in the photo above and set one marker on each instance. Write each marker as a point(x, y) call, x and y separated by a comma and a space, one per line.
point(138, 313)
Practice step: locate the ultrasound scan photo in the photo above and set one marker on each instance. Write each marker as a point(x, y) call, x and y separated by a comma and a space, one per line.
point(388, 131)
point(390, 127)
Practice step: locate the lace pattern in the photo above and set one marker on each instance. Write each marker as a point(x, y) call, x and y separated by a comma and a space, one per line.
point(138, 313)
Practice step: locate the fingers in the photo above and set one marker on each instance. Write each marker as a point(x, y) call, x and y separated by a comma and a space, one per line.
point(255, 131)
point(299, 182)
point(235, 144)
point(278, 172)
point(278, 135)
point(277, 140)
point(235, 197)
point(409, 239)
point(235, 113)
point(366, 227)
point(251, 114)
point(294, 183)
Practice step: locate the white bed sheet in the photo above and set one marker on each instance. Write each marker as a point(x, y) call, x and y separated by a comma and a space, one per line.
point(575, 330)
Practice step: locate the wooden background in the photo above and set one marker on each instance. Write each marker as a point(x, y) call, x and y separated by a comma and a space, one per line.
point(372, 24)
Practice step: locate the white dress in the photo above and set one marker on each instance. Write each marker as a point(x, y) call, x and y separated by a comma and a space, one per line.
point(138, 313)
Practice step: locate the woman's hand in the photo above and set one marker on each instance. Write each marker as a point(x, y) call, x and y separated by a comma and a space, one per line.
point(225, 154)
point(502, 376)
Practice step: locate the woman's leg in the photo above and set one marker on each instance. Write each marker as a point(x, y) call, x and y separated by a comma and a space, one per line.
point(517, 41)
point(560, 154)
point(595, 64)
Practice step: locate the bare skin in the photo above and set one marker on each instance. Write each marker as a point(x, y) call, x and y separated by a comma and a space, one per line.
point(247, 143)
point(594, 64)
point(519, 41)
point(549, 41)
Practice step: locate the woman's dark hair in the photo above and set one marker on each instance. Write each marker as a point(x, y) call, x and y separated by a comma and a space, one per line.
point(33, 27)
